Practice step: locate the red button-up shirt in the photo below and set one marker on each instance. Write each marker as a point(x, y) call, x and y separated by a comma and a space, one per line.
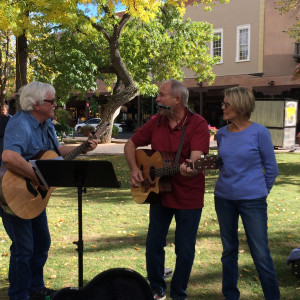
point(187, 192)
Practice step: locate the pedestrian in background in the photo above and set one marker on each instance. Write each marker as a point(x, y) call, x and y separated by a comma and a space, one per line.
point(4, 118)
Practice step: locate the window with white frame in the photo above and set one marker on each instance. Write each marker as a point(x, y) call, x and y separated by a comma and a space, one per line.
point(216, 48)
point(243, 43)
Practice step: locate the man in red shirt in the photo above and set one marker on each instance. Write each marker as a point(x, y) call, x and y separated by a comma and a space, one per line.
point(163, 131)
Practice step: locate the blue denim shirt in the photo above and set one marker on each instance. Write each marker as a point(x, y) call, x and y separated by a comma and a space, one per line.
point(25, 135)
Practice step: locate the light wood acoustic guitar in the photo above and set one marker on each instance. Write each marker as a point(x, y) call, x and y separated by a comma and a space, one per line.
point(156, 168)
point(20, 197)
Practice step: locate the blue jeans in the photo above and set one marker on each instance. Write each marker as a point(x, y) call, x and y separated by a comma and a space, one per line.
point(254, 217)
point(29, 252)
point(187, 222)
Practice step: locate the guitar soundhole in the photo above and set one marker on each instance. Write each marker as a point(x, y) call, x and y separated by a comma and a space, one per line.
point(152, 174)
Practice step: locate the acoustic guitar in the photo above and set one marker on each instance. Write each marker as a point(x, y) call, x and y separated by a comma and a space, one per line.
point(20, 197)
point(157, 166)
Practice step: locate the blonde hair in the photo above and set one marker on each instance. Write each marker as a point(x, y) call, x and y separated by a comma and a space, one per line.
point(33, 93)
point(241, 100)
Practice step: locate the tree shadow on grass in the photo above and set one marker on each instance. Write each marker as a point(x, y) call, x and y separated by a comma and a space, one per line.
point(289, 173)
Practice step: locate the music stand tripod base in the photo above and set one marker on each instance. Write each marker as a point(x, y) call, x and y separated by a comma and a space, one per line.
point(80, 174)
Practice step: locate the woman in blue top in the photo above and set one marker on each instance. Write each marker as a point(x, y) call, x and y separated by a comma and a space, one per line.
point(246, 177)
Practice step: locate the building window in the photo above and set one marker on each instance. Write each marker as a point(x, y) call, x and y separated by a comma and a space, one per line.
point(243, 43)
point(217, 45)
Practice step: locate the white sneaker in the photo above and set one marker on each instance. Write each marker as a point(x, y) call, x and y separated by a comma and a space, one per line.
point(159, 296)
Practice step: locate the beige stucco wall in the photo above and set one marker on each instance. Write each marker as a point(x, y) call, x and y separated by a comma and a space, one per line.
point(278, 47)
point(228, 17)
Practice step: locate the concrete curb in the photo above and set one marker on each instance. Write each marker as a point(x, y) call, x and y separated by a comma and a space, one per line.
point(116, 147)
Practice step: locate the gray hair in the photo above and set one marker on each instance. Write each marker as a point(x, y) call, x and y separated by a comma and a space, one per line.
point(33, 93)
point(179, 89)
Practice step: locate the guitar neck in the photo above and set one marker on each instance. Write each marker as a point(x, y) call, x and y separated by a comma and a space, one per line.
point(167, 171)
point(78, 150)
point(208, 162)
point(100, 131)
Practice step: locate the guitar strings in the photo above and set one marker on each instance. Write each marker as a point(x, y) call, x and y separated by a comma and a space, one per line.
point(175, 168)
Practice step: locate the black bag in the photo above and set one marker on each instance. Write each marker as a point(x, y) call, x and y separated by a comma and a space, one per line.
point(296, 267)
point(294, 258)
point(112, 284)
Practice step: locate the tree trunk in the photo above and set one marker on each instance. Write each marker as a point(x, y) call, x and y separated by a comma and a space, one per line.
point(113, 104)
point(3, 70)
point(21, 65)
point(125, 89)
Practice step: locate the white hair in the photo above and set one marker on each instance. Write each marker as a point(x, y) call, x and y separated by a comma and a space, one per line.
point(33, 93)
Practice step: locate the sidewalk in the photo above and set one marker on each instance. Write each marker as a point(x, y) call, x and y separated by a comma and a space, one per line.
point(116, 147)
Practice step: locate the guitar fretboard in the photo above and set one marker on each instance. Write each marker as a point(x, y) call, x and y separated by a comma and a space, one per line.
point(167, 171)
point(100, 130)
point(205, 163)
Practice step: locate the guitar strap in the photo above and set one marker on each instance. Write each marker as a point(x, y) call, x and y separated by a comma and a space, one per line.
point(180, 146)
point(52, 141)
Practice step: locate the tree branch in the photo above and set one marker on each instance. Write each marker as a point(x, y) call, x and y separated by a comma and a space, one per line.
point(119, 27)
point(97, 26)
point(91, 42)
point(118, 86)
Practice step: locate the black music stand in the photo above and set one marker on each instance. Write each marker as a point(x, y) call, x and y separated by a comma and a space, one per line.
point(80, 174)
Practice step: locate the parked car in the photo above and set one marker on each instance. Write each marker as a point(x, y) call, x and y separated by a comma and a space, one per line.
point(119, 126)
point(92, 122)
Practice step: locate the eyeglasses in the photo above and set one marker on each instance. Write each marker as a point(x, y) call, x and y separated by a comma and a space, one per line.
point(225, 104)
point(50, 101)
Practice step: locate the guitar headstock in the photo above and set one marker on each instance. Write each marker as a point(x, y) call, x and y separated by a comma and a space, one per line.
point(206, 162)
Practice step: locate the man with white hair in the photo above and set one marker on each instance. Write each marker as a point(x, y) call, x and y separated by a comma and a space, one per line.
point(28, 133)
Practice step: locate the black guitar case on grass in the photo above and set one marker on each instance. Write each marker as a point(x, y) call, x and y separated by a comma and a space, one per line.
point(112, 284)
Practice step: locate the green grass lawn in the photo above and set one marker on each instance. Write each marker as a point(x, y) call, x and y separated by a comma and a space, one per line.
point(115, 227)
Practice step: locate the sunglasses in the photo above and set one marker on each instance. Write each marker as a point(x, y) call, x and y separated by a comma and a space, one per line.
point(50, 101)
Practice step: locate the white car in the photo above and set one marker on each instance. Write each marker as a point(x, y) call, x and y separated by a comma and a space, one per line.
point(119, 126)
point(92, 122)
